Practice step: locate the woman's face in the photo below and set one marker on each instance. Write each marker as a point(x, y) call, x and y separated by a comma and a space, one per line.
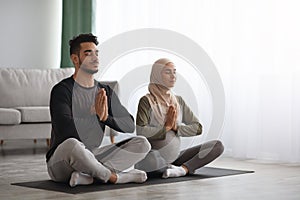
point(168, 75)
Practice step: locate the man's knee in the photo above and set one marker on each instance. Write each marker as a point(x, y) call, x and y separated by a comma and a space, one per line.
point(69, 144)
point(143, 144)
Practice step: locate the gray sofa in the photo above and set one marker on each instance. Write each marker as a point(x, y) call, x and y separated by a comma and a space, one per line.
point(24, 102)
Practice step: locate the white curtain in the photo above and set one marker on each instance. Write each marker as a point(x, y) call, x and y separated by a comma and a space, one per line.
point(255, 45)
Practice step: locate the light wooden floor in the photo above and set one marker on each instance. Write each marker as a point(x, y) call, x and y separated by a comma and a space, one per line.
point(22, 161)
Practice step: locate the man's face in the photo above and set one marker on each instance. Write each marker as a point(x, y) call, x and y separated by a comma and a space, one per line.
point(88, 57)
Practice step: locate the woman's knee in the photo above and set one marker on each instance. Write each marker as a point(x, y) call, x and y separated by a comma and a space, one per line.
point(152, 162)
point(218, 147)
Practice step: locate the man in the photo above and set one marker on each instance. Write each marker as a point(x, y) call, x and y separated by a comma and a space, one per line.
point(80, 109)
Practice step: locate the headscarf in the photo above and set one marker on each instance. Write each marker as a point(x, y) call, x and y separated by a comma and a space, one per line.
point(160, 97)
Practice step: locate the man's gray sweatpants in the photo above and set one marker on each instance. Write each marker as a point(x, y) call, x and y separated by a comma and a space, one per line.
point(71, 155)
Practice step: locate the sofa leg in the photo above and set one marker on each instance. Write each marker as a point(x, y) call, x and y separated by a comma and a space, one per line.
point(1, 142)
point(48, 142)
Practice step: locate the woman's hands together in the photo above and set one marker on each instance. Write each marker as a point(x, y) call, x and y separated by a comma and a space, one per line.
point(171, 118)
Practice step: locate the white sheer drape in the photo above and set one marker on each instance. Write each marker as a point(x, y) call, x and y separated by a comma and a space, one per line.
point(255, 44)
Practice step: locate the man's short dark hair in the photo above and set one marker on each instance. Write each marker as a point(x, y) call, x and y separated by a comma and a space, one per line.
point(77, 40)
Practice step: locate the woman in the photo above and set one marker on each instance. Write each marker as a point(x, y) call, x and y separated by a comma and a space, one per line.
point(163, 118)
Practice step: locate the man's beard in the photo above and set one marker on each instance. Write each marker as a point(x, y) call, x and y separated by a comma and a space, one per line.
point(89, 71)
point(83, 68)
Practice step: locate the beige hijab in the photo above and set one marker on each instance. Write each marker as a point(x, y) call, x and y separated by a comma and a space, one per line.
point(160, 97)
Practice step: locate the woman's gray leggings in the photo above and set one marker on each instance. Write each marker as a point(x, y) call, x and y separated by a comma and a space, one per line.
point(193, 158)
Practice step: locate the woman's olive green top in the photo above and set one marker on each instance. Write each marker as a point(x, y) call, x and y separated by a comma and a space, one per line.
point(168, 143)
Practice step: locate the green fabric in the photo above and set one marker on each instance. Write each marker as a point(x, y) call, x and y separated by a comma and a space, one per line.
point(78, 17)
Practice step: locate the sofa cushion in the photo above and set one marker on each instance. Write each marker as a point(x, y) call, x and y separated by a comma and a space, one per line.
point(29, 87)
point(9, 116)
point(35, 114)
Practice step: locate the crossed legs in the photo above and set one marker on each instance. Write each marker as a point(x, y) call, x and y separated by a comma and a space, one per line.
point(194, 158)
point(72, 162)
point(187, 162)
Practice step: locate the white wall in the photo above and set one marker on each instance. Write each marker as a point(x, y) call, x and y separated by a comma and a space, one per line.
point(30, 33)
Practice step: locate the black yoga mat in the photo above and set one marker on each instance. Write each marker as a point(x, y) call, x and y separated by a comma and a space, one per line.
point(205, 172)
